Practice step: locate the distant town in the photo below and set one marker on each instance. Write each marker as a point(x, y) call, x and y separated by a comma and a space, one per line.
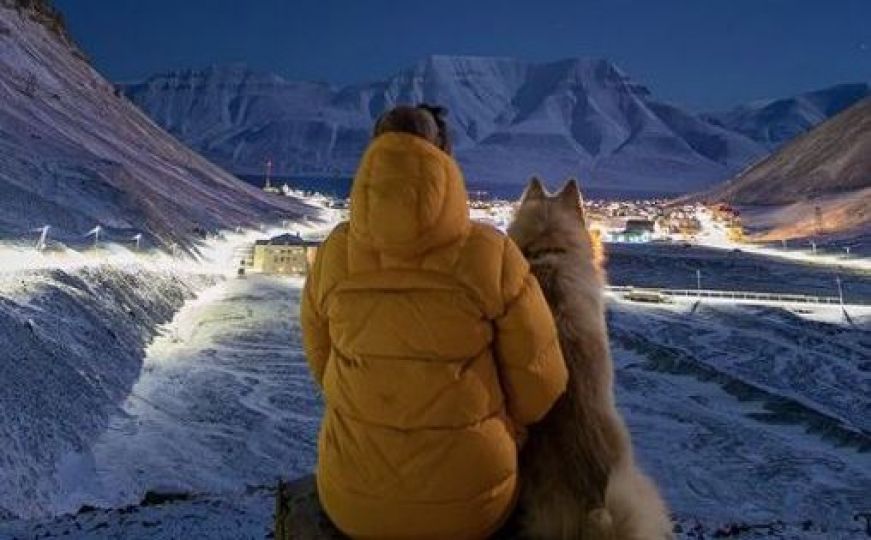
point(630, 221)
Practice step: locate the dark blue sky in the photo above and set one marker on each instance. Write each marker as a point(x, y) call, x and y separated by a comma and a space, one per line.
point(705, 54)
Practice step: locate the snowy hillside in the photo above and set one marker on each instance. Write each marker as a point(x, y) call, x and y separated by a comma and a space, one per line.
point(777, 121)
point(74, 153)
point(742, 414)
point(73, 345)
point(827, 168)
point(511, 119)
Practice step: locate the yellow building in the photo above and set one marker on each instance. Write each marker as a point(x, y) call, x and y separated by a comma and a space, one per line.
point(286, 254)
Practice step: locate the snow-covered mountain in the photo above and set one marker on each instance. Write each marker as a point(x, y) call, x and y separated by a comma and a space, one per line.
point(510, 118)
point(777, 121)
point(74, 153)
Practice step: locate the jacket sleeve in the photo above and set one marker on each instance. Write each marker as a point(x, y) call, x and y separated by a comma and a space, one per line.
point(532, 370)
point(315, 328)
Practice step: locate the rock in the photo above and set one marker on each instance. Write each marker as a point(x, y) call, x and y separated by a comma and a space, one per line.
point(305, 519)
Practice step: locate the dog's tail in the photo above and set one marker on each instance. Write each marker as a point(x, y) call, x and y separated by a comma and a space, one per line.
point(633, 509)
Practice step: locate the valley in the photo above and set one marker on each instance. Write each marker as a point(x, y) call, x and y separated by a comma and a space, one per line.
point(725, 403)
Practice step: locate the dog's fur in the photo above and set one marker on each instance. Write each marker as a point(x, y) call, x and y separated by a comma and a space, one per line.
point(578, 476)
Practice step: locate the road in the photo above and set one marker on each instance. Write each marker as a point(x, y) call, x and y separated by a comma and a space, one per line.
point(714, 235)
point(224, 400)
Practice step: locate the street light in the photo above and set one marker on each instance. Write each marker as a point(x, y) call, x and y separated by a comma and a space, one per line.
point(840, 290)
point(40, 244)
point(699, 282)
point(138, 239)
point(95, 232)
point(814, 247)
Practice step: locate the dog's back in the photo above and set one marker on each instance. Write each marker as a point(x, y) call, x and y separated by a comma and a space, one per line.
point(579, 480)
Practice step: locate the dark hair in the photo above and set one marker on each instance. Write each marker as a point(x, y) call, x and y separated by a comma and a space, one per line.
point(439, 113)
point(407, 119)
point(426, 121)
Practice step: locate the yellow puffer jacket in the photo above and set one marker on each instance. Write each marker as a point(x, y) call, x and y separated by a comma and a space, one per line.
point(432, 343)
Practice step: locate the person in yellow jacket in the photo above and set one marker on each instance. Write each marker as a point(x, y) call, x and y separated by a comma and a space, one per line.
point(432, 343)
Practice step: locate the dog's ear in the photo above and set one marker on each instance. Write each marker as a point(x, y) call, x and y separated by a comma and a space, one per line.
point(534, 191)
point(570, 196)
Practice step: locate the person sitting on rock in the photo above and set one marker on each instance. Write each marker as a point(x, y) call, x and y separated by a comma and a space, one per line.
point(433, 346)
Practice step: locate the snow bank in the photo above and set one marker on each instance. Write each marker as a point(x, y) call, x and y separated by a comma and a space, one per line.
point(73, 343)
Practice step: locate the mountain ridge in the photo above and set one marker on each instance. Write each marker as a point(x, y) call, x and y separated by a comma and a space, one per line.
point(74, 154)
point(510, 118)
point(773, 122)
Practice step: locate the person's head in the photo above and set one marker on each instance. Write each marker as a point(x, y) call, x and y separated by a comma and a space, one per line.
point(439, 113)
point(425, 121)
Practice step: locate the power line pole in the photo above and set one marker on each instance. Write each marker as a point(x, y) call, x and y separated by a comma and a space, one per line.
point(818, 221)
point(840, 290)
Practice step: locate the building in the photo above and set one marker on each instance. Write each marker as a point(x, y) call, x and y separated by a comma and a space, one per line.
point(686, 226)
point(634, 231)
point(288, 254)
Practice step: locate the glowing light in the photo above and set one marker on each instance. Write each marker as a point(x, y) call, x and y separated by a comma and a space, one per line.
point(95, 232)
point(41, 243)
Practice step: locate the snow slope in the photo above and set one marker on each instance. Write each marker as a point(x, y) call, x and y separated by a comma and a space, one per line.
point(510, 119)
point(74, 153)
point(73, 345)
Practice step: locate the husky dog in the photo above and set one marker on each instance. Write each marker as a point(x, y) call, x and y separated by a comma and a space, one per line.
point(578, 476)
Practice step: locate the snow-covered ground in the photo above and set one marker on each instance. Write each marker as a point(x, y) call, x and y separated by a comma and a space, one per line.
point(742, 414)
point(748, 414)
point(674, 266)
point(224, 401)
point(72, 345)
point(73, 330)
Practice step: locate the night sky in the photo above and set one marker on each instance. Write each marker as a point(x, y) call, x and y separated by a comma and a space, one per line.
point(703, 54)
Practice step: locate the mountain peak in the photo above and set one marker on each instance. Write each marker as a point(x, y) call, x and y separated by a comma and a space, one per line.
point(509, 118)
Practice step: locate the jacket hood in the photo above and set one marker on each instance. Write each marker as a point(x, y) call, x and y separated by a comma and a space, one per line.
point(408, 196)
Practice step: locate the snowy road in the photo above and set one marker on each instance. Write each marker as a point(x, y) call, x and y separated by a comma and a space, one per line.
point(224, 401)
point(714, 236)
